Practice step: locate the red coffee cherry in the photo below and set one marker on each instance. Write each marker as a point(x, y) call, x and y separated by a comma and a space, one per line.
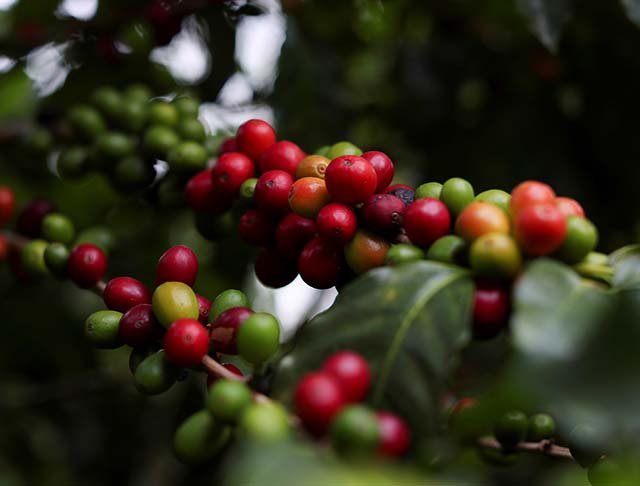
point(177, 264)
point(204, 306)
point(406, 194)
point(211, 379)
point(540, 228)
point(528, 193)
point(224, 329)
point(426, 220)
point(569, 207)
point(5, 248)
point(257, 228)
point(30, 218)
point(272, 192)
point(321, 264)
point(318, 397)
point(254, 137)
point(229, 145)
point(7, 204)
point(394, 434)
point(273, 270)
point(122, 293)
point(491, 307)
point(87, 265)
point(383, 166)
point(383, 213)
point(230, 171)
point(186, 342)
point(283, 155)
point(200, 195)
point(139, 327)
point(350, 179)
point(352, 372)
point(292, 233)
point(337, 223)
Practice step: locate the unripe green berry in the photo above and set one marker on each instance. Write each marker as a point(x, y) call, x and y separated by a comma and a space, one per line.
point(456, 194)
point(403, 253)
point(511, 429)
point(100, 236)
point(163, 113)
point(155, 374)
point(138, 92)
point(189, 156)
point(102, 327)
point(113, 145)
point(200, 438)
point(258, 337)
point(87, 122)
point(108, 100)
point(32, 256)
point(496, 197)
point(227, 399)
point(73, 162)
point(159, 140)
point(541, 426)
point(56, 256)
point(355, 431)
point(57, 227)
point(192, 129)
point(247, 189)
point(187, 107)
point(429, 189)
point(172, 301)
point(342, 148)
point(581, 239)
point(448, 249)
point(265, 422)
point(133, 172)
point(226, 300)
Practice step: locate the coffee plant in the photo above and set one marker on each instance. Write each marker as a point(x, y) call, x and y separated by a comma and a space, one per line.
point(463, 332)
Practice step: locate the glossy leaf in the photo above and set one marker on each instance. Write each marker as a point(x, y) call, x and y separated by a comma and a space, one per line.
point(632, 8)
point(547, 18)
point(626, 263)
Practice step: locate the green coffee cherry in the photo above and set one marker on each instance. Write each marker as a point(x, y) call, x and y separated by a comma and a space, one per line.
point(265, 422)
point(133, 172)
point(163, 113)
point(456, 194)
point(134, 116)
point(200, 438)
point(192, 129)
point(607, 472)
point(586, 444)
point(159, 140)
point(403, 253)
point(511, 429)
point(56, 256)
point(108, 100)
point(495, 255)
point(496, 197)
point(155, 374)
point(137, 356)
point(102, 327)
point(581, 239)
point(188, 156)
point(429, 189)
point(448, 249)
point(57, 227)
point(87, 122)
point(138, 37)
point(214, 226)
point(32, 257)
point(113, 145)
point(355, 431)
point(172, 301)
point(324, 150)
point(541, 426)
point(226, 300)
point(73, 162)
point(258, 337)
point(39, 140)
point(227, 399)
point(247, 189)
point(100, 236)
point(342, 148)
point(138, 92)
point(187, 107)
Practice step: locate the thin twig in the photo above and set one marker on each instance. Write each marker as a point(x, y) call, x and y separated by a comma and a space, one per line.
point(546, 447)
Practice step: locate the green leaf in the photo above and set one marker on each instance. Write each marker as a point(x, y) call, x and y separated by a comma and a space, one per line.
point(632, 8)
point(626, 264)
point(409, 322)
point(547, 18)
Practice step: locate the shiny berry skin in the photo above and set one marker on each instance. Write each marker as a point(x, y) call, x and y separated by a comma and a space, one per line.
point(528, 193)
point(320, 264)
point(273, 270)
point(456, 193)
point(30, 218)
point(491, 306)
point(318, 398)
point(186, 342)
point(540, 229)
point(308, 196)
point(7, 204)
point(225, 300)
point(139, 327)
point(383, 213)
point(429, 189)
point(511, 428)
point(283, 155)
point(257, 228)
point(178, 264)
point(87, 265)
point(122, 293)
point(569, 207)
point(394, 434)
point(350, 179)
point(229, 145)
point(355, 431)
point(201, 197)
point(365, 251)
point(495, 256)
point(258, 338)
point(383, 166)
point(254, 137)
point(403, 192)
point(479, 218)
point(272, 192)
point(337, 223)
point(541, 426)
point(292, 233)
point(230, 171)
point(224, 329)
point(580, 240)
point(352, 372)
point(211, 379)
point(312, 166)
point(204, 307)
point(426, 220)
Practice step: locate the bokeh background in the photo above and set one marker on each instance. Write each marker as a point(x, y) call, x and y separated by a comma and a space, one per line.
point(446, 88)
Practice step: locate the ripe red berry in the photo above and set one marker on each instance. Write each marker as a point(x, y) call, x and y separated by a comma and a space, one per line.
point(273, 270)
point(350, 179)
point(283, 155)
point(383, 166)
point(30, 218)
point(406, 194)
point(230, 171)
point(177, 264)
point(224, 329)
point(257, 228)
point(352, 372)
point(229, 145)
point(318, 397)
point(383, 213)
point(426, 220)
point(569, 207)
point(139, 327)
point(5, 248)
point(292, 233)
point(7, 204)
point(394, 434)
point(211, 379)
point(540, 229)
point(204, 306)
point(490, 310)
point(122, 293)
point(321, 264)
point(528, 193)
point(337, 223)
point(200, 195)
point(87, 265)
point(272, 192)
point(254, 137)
point(186, 342)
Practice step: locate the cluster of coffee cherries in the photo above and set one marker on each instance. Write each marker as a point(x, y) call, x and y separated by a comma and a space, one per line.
point(329, 401)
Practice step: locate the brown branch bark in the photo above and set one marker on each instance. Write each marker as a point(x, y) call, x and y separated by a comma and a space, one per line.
point(546, 447)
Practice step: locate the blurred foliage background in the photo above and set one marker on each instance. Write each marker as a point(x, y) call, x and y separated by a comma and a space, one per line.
point(446, 88)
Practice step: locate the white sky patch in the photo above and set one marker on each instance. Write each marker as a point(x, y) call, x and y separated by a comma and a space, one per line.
point(78, 9)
